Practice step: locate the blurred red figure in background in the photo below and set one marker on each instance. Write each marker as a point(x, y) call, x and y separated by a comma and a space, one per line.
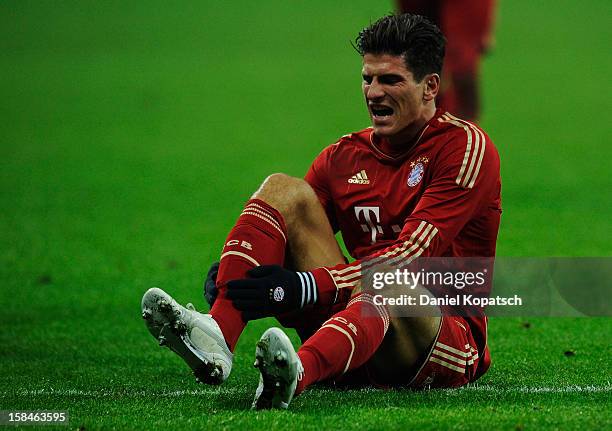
point(468, 27)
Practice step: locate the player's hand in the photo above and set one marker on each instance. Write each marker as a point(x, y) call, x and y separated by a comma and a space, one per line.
point(210, 284)
point(272, 290)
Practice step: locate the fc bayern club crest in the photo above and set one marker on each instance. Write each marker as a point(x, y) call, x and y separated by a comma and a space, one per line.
point(279, 294)
point(416, 174)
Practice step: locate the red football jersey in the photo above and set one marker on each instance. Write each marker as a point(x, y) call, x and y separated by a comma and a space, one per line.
point(440, 198)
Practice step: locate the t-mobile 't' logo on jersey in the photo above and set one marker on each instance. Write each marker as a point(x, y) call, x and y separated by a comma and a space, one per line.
point(370, 225)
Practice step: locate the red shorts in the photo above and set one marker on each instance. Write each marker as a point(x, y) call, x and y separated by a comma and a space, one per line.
point(453, 359)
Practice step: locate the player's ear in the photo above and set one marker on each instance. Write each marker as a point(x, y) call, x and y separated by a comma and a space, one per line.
point(431, 87)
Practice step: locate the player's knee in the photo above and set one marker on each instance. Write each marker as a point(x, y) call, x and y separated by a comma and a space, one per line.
point(284, 192)
point(276, 180)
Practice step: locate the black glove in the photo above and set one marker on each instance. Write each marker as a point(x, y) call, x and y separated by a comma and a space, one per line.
point(272, 290)
point(210, 284)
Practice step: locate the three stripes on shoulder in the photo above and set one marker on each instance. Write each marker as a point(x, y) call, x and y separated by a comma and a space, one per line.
point(474, 150)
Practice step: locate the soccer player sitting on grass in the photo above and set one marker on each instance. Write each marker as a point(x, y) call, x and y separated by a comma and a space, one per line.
point(419, 182)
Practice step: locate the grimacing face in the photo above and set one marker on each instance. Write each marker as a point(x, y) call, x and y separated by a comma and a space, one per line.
point(396, 102)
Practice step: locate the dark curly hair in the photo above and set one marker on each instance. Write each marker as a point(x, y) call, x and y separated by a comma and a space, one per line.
point(414, 37)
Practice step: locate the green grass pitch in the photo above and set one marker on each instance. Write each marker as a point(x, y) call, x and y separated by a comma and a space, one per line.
point(131, 133)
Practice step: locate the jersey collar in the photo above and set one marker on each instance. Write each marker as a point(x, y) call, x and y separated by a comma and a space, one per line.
point(376, 142)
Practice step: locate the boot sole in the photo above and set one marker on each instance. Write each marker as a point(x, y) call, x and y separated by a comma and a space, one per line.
point(160, 315)
point(272, 358)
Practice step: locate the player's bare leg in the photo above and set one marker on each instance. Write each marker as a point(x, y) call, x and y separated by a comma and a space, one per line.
point(412, 332)
point(310, 238)
point(311, 241)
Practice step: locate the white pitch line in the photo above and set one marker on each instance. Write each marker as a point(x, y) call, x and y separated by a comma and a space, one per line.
point(533, 389)
point(228, 391)
point(118, 393)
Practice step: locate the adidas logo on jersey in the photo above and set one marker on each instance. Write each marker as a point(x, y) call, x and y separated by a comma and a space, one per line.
point(359, 178)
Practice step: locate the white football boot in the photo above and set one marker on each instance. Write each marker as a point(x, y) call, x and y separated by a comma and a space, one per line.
point(194, 336)
point(280, 369)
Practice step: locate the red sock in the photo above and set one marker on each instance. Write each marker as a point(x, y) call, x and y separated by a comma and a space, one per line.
point(344, 342)
point(258, 238)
